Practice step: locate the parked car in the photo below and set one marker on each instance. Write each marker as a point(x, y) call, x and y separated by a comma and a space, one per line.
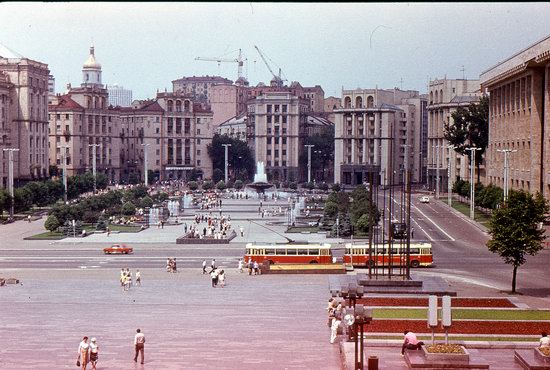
point(118, 249)
point(425, 199)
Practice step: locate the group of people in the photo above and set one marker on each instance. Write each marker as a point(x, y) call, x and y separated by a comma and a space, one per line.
point(335, 313)
point(217, 227)
point(171, 265)
point(252, 266)
point(126, 278)
point(217, 275)
point(87, 352)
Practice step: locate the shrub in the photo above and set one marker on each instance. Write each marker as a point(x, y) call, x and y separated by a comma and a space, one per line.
point(322, 186)
point(128, 209)
point(146, 202)
point(336, 187)
point(220, 185)
point(193, 185)
point(331, 209)
point(207, 185)
point(52, 223)
point(293, 185)
point(238, 185)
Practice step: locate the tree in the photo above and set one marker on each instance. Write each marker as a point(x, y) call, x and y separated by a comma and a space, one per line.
point(238, 185)
point(321, 153)
point(220, 185)
point(470, 128)
point(52, 223)
point(336, 187)
point(330, 210)
point(128, 209)
point(514, 229)
point(217, 175)
point(5, 201)
point(207, 185)
point(239, 156)
point(362, 206)
point(193, 185)
point(146, 202)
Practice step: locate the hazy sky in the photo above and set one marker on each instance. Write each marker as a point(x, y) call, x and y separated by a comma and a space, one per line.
point(144, 46)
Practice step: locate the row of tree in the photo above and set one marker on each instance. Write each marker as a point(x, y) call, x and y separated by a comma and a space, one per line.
point(489, 196)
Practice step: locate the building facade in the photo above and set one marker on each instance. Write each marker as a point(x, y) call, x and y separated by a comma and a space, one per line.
point(234, 127)
point(119, 96)
point(80, 121)
point(443, 163)
point(198, 87)
point(227, 101)
point(378, 134)
point(519, 116)
point(23, 117)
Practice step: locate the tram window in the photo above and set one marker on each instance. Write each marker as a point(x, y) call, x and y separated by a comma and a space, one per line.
point(291, 252)
point(247, 251)
point(325, 252)
point(415, 250)
point(382, 251)
point(269, 251)
point(302, 252)
point(395, 251)
point(314, 252)
point(280, 251)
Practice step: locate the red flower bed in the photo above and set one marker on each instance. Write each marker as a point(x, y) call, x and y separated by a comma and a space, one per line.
point(460, 327)
point(423, 302)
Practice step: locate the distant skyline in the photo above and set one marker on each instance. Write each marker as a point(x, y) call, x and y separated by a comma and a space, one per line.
point(144, 46)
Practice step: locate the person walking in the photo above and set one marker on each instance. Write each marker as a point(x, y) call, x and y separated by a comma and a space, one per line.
point(168, 264)
point(213, 264)
point(221, 278)
point(94, 353)
point(83, 350)
point(138, 278)
point(240, 266)
point(336, 320)
point(214, 276)
point(256, 268)
point(203, 267)
point(241, 230)
point(139, 345)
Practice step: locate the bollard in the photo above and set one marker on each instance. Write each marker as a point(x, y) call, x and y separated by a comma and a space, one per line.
point(372, 363)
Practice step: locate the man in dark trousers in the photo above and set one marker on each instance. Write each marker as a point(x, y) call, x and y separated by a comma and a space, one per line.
point(139, 344)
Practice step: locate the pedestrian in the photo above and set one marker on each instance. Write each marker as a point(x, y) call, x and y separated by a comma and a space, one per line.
point(174, 265)
point(336, 320)
point(29, 218)
point(162, 224)
point(83, 349)
point(139, 345)
point(544, 340)
point(203, 267)
point(168, 264)
point(108, 231)
point(221, 278)
point(214, 276)
point(242, 230)
point(412, 232)
point(410, 342)
point(185, 227)
point(240, 268)
point(256, 268)
point(213, 264)
point(138, 278)
point(250, 267)
point(158, 225)
point(94, 353)
point(122, 275)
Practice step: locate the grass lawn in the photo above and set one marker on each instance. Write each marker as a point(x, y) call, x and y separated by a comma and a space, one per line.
point(47, 235)
point(465, 314)
point(125, 228)
point(464, 208)
point(312, 229)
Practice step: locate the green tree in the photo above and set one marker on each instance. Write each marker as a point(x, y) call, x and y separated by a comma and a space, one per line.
point(293, 185)
point(52, 223)
point(330, 210)
point(207, 185)
point(22, 199)
point(514, 229)
point(470, 128)
point(146, 202)
point(336, 187)
point(321, 153)
point(193, 185)
point(128, 209)
point(238, 185)
point(5, 201)
point(217, 175)
point(220, 185)
point(239, 156)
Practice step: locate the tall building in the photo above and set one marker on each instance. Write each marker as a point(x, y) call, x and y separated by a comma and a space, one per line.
point(198, 87)
point(227, 101)
point(445, 97)
point(378, 133)
point(519, 116)
point(119, 96)
point(23, 116)
point(81, 120)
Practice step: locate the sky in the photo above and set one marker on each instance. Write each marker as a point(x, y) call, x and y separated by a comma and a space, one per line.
point(144, 46)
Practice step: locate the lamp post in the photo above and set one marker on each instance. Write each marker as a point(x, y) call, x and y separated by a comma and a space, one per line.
point(309, 146)
point(506, 170)
point(94, 164)
point(64, 156)
point(449, 173)
point(226, 148)
point(437, 172)
point(472, 173)
point(10, 178)
point(145, 163)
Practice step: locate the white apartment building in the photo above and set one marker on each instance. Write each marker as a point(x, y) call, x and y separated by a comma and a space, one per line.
point(119, 96)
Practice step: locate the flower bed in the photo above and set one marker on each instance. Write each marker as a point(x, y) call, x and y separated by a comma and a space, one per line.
point(423, 302)
point(442, 352)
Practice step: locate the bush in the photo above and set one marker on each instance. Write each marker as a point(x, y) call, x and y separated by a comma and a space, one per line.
point(336, 187)
point(90, 217)
point(230, 184)
point(146, 202)
point(128, 209)
point(193, 185)
point(322, 186)
point(217, 175)
point(207, 185)
point(238, 185)
point(52, 223)
point(293, 185)
point(308, 185)
point(101, 225)
point(331, 209)
point(220, 185)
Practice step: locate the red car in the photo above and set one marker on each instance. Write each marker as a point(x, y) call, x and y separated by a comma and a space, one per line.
point(118, 248)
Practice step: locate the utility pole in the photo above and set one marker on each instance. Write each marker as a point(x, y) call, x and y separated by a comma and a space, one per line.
point(64, 155)
point(506, 170)
point(145, 163)
point(10, 178)
point(472, 173)
point(309, 146)
point(94, 171)
point(449, 174)
point(437, 172)
point(226, 148)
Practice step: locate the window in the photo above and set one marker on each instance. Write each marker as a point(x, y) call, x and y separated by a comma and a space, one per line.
point(269, 152)
point(269, 108)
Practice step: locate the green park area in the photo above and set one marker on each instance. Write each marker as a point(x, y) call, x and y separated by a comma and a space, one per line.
point(465, 314)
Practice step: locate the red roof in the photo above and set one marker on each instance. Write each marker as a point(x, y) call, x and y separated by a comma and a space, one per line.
point(152, 107)
point(65, 102)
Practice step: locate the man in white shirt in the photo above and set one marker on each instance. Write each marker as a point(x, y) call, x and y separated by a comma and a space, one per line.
point(410, 342)
point(544, 340)
point(139, 344)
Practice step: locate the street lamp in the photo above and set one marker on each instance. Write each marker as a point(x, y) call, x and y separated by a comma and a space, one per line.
point(145, 163)
point(437, 172)
point(94, 164)
point(506, 170)
point(226, 148)
point(64, 156)
point(472, 173)
point(10, 178)
point(449, 173)
point(309, 146)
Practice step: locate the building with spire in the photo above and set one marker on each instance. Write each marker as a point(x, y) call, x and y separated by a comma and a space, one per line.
point(80, 120)
point(23, 117)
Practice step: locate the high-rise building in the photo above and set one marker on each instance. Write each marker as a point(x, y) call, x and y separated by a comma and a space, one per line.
point(198, 87)
point(119, 96)
point(23, 116)
point(519, 119)
point(445, 97)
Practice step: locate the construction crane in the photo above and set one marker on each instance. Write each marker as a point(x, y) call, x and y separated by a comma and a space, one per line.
point(239, 60)
point(277, 78)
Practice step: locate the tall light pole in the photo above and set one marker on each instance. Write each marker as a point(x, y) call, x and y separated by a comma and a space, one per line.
point(64, 155)
point(145, 163)
point(309, 146)
point(449, 174)
point(472, 173)
point(506, 170)
point(226, 148)
point(94, 171)
point(10, 178)
point(437, 172)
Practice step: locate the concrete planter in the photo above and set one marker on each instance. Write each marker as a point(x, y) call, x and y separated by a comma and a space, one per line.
point(465, 357)
point(541, 356)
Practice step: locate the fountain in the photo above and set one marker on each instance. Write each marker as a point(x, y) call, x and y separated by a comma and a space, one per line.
point(174, 207)
point(154, 216)
point(260, 183)
point(187, 199)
